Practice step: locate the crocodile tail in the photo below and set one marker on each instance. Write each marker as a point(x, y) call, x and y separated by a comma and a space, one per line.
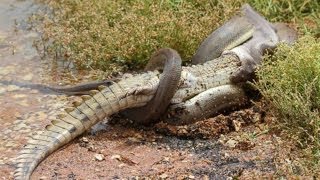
point(67, 126)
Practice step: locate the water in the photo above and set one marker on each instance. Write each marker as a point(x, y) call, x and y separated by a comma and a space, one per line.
point(22, 110)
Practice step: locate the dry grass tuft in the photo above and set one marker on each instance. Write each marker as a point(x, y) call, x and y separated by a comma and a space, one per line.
point(290, 81)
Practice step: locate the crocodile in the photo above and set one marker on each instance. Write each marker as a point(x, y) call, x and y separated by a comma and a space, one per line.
point(210, 78)
point(130, 92)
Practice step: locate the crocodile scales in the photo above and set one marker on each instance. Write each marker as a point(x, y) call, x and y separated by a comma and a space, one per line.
point(130, 92)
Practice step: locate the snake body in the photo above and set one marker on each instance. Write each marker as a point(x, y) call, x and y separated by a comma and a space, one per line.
point(234, 32)
point(231, 34)
point(170, 61)
point(79, 89)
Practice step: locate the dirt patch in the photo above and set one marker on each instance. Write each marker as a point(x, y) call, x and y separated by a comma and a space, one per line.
point(129, 151)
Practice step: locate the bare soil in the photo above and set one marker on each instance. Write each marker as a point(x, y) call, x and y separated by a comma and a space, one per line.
point(162, 151)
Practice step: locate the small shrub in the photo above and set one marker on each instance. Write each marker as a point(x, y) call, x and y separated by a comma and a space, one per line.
point(290, 81)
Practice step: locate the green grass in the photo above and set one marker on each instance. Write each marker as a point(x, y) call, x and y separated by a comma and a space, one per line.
point(120, 35)
point(290, 81)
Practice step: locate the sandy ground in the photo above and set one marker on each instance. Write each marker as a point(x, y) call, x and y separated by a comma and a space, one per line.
point(237, 145)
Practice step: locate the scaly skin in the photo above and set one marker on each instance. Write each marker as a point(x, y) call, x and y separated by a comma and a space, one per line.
point(131, 92)
point(202, 98)
point(233, 33)
point(170, 61)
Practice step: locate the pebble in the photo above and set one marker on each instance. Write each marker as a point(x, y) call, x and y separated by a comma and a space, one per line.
point(11, 144)
point(17, 121)
point(7, 131)
point(23, 103)
point(25, 131)
point(163, 176)
point(99, 157)
point(41, 115)
point(28, 77)
point(231, 143)
point(11, 88)
point(84, 139)
point(236, 125)
point(4, 71)
point(17, 96)
point(2, 90)
point(116, 156)
point(19, 126)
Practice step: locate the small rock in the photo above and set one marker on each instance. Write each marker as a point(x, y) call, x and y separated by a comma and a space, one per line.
point(191, 176)
point(17, 96)
point(34, 91)
point(43, 178)
point(226, 155)
point(236, 125)
point(134, 139)
point(7, 131)
point(182, 131)
point(28, 77)
point(25, 131)
point(166, 159)
point(256, 117)
point(116, 156)
point(92, 148)
point(205, 177)
point(84, 139)
point(163, 176)
point(20, 126)
point(231, 143)
point(4, 71)
point(10, 144)
point(17, 121)
point(12, 88)
point(2, 90)
point(99, 157)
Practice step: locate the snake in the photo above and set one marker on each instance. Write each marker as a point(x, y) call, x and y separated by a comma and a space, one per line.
point(234, 32)
point(170, 61)
point(79, 89)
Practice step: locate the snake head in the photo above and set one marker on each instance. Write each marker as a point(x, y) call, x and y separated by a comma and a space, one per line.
point(265, 39)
